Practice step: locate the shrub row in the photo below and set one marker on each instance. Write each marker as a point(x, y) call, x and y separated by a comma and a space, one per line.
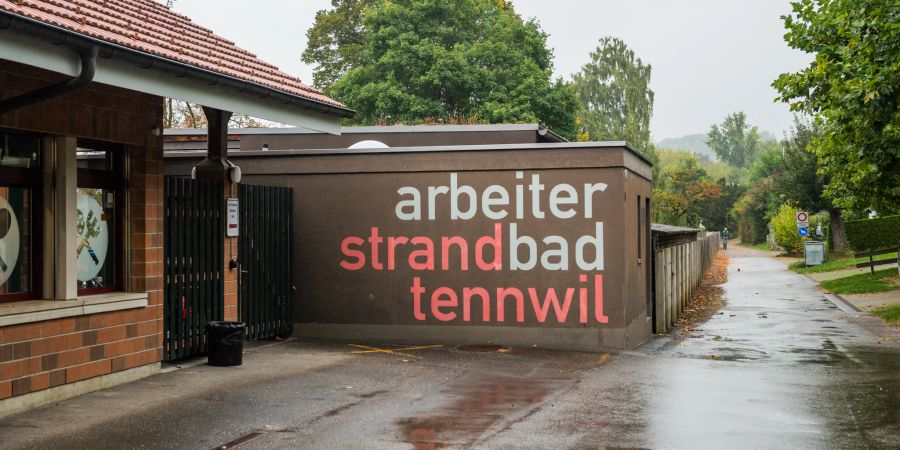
point(873, 234)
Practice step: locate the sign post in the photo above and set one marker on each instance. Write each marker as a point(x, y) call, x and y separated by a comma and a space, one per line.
point(802, 219)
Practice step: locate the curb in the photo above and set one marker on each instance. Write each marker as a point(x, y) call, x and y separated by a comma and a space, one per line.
point(849, 303)
point(844, 304)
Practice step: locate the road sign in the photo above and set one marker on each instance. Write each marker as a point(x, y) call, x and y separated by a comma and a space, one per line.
point(802, 220)
point(803, 232)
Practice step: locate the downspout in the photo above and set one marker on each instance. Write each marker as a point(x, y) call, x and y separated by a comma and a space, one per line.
point(88, 69)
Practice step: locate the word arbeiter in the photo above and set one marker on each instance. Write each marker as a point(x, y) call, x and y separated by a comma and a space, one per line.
point(496, 201)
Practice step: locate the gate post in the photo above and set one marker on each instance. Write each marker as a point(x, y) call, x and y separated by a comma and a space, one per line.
point(216, 167)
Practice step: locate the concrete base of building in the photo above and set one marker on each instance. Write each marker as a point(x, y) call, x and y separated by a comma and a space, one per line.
point(590, 339)
point(22, 403)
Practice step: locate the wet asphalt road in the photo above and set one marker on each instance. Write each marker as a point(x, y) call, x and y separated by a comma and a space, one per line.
point(780, 367)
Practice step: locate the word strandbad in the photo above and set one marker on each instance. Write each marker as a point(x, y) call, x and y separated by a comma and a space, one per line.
point(486, 252)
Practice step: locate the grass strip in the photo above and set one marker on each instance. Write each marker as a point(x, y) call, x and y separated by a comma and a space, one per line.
point(890, 314)
point(837, 264)
point(880, 281)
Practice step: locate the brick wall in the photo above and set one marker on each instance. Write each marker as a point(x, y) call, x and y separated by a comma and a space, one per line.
point(45, 354)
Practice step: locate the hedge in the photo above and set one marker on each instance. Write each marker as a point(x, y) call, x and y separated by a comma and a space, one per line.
point(873, 234)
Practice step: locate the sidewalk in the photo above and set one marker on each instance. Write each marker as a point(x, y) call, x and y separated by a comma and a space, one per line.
point(842, 273)
point(862, 302)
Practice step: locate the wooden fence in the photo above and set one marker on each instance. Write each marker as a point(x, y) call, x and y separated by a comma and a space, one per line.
point(681, 257)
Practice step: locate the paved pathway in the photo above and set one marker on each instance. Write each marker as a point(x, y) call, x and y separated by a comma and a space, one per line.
point(780, 367)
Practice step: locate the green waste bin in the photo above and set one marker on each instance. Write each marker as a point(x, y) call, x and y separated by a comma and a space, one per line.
point(226, 343)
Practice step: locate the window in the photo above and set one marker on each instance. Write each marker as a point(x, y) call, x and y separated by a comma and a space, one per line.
point(99, 217)
point(21, 234)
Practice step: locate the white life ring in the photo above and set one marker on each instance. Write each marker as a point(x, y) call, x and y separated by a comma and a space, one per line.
point(88, 266)
point(9, 244)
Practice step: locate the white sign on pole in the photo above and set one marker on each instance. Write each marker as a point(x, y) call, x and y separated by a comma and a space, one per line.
point(231, 229)
point(802, 220)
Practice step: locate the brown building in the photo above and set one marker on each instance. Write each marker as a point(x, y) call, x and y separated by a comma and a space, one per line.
point(526, 244)
point(81, 183)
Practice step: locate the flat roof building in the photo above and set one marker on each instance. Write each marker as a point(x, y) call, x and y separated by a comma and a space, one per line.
point(249, 139)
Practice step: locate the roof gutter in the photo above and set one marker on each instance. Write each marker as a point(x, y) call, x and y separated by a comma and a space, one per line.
point(144, 60)
point(88, 58)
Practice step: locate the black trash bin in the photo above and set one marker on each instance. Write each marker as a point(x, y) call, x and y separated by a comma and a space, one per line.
point(226, 343)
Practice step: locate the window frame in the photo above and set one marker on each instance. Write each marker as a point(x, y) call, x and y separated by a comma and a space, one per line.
point(111, 180)
point(29, 178)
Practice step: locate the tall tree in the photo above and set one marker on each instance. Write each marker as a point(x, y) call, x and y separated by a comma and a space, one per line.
point(337, 40)
point(467, 61)
point(852, 89)
point(734, 141)
point(684, 191)
point(801, 183)
point(616, 100)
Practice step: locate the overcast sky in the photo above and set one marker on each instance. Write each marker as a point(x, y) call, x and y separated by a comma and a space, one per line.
point(709, 57)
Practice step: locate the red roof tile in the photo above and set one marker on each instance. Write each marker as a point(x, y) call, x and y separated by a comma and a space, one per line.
point(150, 27)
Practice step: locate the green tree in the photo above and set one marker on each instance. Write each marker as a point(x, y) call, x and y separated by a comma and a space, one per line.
point(684, 191)
point(760, 201)
point(734, 141)
point(801, 183)
point(336, 42)
point(615, 95)
point(852, 89)
point(468, 61)
point(768, 161)
point(718, 212)
point(754, 210)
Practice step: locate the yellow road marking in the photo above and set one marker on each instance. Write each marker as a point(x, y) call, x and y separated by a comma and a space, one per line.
point(392, 351)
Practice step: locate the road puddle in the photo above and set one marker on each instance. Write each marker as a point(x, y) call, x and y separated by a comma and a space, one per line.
point(475, 409)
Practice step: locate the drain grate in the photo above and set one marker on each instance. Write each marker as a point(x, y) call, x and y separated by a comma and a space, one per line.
point(485, 348)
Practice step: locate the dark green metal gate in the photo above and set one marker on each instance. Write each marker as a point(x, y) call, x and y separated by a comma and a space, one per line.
point(264, 257)
point(193, 254)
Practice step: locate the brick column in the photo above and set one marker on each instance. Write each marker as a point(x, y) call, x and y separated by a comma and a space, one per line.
point(215, 167)
point(231, 275)
point(145, 258)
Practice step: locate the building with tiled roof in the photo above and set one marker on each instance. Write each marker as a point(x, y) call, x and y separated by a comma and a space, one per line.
point(145, 46)
point(89, 294)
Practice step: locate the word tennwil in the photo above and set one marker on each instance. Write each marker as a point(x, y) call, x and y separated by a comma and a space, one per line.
point(382, 251)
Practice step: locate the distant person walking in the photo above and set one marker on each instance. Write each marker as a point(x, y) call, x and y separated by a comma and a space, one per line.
point(725, 238)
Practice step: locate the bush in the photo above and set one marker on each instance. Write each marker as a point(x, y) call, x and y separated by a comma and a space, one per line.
point(784, 227)
point(873, 234)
